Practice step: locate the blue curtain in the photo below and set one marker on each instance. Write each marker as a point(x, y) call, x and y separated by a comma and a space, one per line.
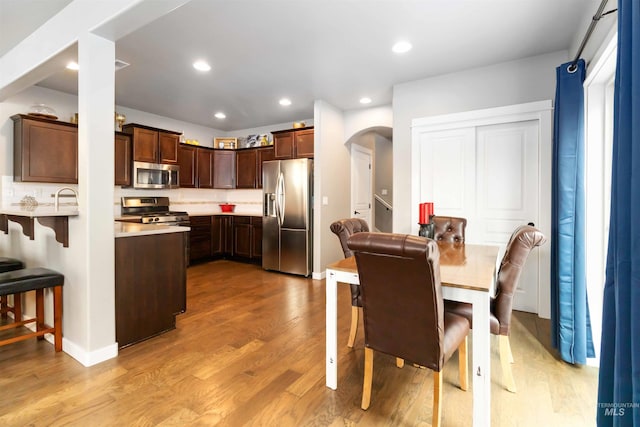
point(570, 326)
point(619, 385)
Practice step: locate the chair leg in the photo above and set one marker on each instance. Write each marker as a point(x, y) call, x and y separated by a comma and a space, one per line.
point(354, 325)
point(463, 363)
point(57, 317)
point(437, 399)
point(368, 378)
point(506, 359)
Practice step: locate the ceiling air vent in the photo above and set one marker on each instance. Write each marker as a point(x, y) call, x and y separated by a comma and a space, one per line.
point(121, 64)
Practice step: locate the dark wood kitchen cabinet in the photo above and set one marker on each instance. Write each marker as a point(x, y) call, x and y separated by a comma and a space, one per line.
point(249, 166)
point(264, 154)
point(294, 143)
point(247, 237)
point(205, 168)
point(200, 238)
point(196, 166)
point(150, 285)
point(242, 242)
point(246, 168)
point(122, 159)
point(188, 166)
point(153, 145)
point(224, 169)
point(44, 150)
point(222, 235)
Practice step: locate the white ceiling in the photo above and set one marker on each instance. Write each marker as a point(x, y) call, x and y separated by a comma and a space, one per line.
point(335, 50)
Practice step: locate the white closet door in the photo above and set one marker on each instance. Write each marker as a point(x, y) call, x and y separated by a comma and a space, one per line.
point(507, 193)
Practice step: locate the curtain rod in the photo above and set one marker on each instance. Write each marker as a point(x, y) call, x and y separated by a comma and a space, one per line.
point(599, 14)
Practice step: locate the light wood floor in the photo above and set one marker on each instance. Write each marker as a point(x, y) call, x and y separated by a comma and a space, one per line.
point(250, 351)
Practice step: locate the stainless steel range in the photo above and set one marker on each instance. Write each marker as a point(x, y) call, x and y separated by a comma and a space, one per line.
point(151, 210)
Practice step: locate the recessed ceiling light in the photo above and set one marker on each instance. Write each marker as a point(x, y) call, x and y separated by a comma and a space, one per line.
point(220, 115)
point(285, 102)
point(73, 66)
point(201, 66)
point(365, 100)
point(402, 47)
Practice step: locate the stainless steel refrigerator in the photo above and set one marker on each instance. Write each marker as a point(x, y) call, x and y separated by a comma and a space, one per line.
point(287, 190)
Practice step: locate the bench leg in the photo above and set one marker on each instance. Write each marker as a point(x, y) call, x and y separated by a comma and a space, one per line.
point(57, 317)
point(40, 311)
point(3, 307)
point(17, 307)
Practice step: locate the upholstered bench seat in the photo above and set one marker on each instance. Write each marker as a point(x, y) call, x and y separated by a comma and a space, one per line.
point(34, 279)
point(10, 264)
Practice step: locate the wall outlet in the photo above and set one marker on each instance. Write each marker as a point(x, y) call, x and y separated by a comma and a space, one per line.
point(325, 200)
point(384, 191)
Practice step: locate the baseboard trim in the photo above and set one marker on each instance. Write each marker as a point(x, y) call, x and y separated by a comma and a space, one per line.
point(89, 358)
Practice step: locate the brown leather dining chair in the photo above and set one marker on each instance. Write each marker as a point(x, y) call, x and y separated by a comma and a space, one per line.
point(403, 308)
point(522, 241)
point(449, 228)
point(344, 228)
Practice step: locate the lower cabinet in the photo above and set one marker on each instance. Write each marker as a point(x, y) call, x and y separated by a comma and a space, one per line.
point(226, 236)
point(200, 238)
point(151, 285)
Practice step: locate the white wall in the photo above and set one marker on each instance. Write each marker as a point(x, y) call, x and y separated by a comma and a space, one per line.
point(509, 83)
point(332, 177)
point(357, 120)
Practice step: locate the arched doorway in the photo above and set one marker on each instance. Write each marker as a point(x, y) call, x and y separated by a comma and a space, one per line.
point(379, 142)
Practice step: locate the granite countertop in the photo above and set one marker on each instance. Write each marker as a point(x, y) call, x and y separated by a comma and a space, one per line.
point(132, 229)
point(39, 211)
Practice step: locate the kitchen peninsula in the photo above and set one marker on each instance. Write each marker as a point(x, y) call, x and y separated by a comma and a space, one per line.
point(151, 279)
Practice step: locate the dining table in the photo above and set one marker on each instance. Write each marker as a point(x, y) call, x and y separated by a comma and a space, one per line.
point(467, 274)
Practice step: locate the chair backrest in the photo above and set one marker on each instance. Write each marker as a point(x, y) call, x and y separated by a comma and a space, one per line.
point(449, 228)
point(522, 241)
point(401, 296)
point(344, 228)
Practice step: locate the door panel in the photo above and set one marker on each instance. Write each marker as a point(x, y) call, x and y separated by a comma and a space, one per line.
point(296, 193)
point(270, 243)
point(294, 252)
point(447, 172)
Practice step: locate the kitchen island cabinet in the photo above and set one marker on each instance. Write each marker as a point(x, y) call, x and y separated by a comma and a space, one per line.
point(150, 288)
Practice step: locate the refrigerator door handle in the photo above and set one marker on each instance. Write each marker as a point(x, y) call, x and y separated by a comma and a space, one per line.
point(280, 199)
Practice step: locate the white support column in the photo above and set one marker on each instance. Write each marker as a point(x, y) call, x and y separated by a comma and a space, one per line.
point(95, 289)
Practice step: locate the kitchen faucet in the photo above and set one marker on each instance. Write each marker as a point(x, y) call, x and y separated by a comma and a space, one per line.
point(57, 196)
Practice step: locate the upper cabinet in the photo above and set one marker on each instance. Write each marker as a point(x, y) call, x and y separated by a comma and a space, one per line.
point(153, 145)
point(196, 166)
point(44, 150)
point(224, 169)
point(246, 171)
point(188, 166)
point(122, 159)
point(293, 143)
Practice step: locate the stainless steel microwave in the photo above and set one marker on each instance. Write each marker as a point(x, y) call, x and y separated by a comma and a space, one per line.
point(154, 175)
